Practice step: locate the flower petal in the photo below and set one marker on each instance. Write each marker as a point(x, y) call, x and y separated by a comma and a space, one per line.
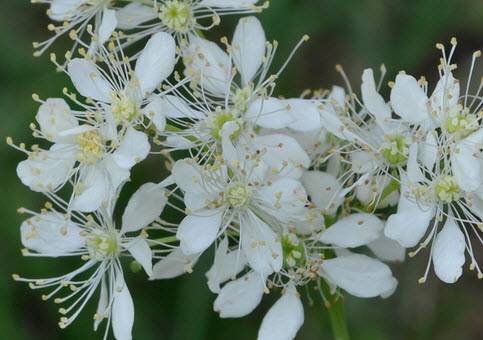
point(47, 170)
point(260, 245)
point(208, 64)
point(449, 252)
point(284, 319)
point(197, 232)
point(466, 161)
point(122, 311)
point(248, 47)
point(227, 264)
point(387, 250)
point(228, 3)
point(173, 265)
point(89, 81)
point(134, 14)
point(108, 25)
point(359, 275)
point(156, 62)
point(409, 100)
point(133, 149)
point(51, 234)
point(55, 116)
point(373, 101)
point(323, 189)
point(270, 113)
point(305, 115)
point(353, 231)
point(145, 206)
point(141, 252)
point(240, 297)
point(283, 155)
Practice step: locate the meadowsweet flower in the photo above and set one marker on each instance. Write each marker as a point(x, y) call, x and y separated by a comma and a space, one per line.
point(84, 154)
point(100, 244)
point(184, 19)
point(75, 16)
point(444, 176)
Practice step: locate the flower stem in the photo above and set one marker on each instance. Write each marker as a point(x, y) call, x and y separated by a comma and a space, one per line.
point(338, 318)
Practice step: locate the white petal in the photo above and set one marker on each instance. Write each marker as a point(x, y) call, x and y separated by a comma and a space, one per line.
point(61, 10)
point(283, 155)
point(284, 319)
point(197, 232)
point(429, 151)
point(108, 25)
point(122, 311)
point(240, 297)
point(133, 149)
point(409, 100)
point(446, 95)
point(270, 113)
point(102, 306)
point(304, 114)
point(171, 107)
point(94, 189)
point(89, 81)
point(187, 175)
point(209, 65)
point(47, 170)
point(466, 161)
point(449, 252)
point(359, 275)
point(141, 252)
point(173, 265)
point(51, 234)
point(373, 101)
point(248, 47)
point(410, 223)
point(156, 62)
point(260, 245)
point(353, 231)
point(227, 264)
point(387, 249)
point(285, 198)
point(228, 3)
point(145, 206)
point(55, 116)
point(363, 162)
point(323, 189)
point(134, 14)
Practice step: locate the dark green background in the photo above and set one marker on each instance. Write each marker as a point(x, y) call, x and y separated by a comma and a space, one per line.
point(355, 33)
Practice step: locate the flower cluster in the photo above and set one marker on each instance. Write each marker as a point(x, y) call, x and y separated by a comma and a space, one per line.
point(317, 191)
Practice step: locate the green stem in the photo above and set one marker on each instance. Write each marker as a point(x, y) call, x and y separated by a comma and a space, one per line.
point(338, 319)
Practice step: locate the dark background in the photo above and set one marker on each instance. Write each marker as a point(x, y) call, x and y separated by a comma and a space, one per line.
point(354, 33)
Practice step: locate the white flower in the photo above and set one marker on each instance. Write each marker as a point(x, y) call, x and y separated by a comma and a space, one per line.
point(443, 174)
point(119, 93)
point(101, 245)
point(95, 162)
point(184, 19)
point(238, 200)
point(74, 16)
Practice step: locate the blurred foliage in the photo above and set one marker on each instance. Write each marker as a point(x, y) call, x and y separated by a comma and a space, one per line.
point(354, 33)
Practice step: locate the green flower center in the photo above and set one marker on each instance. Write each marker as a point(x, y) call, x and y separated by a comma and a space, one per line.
point(124, 109)
point(218, 120)
point(293, 251)
point(241, 99)
point(238, 195)
point(395, 150)
point(448, 189)
point(177, 16)
point(102, 244)
point(91, 147)
point(461, 123)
